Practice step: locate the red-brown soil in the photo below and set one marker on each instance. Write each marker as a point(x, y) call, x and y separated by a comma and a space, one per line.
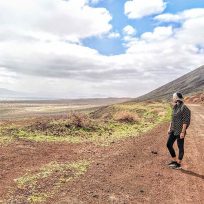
point(131, 171)
point(196, 99)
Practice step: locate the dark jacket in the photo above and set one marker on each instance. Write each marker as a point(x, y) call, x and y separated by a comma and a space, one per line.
point(181, 114)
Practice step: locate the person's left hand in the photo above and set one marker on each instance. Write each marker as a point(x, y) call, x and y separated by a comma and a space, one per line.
point(182, 135)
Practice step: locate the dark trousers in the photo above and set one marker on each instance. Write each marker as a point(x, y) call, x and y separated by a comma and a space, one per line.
point(180, 142)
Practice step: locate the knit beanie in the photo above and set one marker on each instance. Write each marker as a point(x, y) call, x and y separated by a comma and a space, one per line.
point(178, 96)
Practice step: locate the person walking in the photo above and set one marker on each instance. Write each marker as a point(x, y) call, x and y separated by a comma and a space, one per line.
point(180, 121)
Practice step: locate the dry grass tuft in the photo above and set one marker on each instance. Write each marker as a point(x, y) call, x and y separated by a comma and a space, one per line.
point(79, 120)
point(126, 117)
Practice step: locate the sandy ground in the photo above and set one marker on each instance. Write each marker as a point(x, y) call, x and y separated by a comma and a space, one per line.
point(130, 171)
point(21, 109)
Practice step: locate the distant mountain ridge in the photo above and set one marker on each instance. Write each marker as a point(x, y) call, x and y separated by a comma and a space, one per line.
point(9, 95)
point(190, 83)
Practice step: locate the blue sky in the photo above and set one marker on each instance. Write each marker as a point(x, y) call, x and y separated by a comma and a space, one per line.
point(119, 20)
point(98, 48)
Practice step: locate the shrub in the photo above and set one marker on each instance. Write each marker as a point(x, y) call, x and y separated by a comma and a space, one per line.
point(195, 100)
point(126, 116)
point(202, 97)
point(107, 116)
point(79, 120)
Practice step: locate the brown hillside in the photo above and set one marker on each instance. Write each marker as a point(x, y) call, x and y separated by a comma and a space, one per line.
point(188, 84)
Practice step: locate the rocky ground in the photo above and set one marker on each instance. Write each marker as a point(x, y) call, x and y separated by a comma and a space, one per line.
point(133, 170)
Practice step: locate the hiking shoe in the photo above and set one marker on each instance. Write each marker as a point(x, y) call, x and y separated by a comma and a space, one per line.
point(176, 166)
point(172, 163)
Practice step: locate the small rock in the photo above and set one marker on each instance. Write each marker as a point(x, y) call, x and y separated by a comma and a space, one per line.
point(95, 196)
point(154, 152)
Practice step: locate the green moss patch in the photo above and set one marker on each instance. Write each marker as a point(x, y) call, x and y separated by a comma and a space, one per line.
point(38, 186)
point(102, 126)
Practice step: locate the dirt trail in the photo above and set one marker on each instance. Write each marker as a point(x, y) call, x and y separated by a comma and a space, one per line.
point(132, 171)
point(192, 189)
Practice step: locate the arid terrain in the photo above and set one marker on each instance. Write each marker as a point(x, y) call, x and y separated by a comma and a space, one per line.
point(122, 158)
point(94, 95)
point(189, 84)
point(14, 109)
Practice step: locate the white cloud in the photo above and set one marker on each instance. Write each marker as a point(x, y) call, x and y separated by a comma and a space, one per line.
point(33, 48)
point(113, 35)
point(192, 29)
point(187, 14)
point(138, 9)
point(129, 34)
point(159, 33)
point(7, 77)
point(129, 30)
point(168, 17)
point(73, 19)
point(169, 50)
